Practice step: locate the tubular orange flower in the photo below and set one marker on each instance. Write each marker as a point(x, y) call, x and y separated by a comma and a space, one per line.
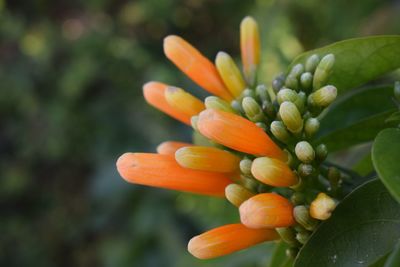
point(230, 74)
point(237, 133)
point(163, 171)
point(197, 67)
point(228, 239)
point(170, 147)
point(207, 159)
point(250, 48)
point(183, 101)
point(268, 210)
point(154, 94)
point(273, 172)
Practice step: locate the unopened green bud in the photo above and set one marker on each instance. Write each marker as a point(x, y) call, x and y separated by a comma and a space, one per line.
point(249, 183)
point(323, 97)
point(292, 252)
point(236, 106)
point(279, 130)
point(397, 90)
point(306, 80)
point(304, 152)
point(292, 82)
point(193, 122)
point(305, 170)
point(291, 117)
point(301, 101)
point(245, 166)
point(214, 102)
point(262, 93)
point(286, 94)
point(252, 109)
point(278, 82)
point(297, 198)
point(323, 71)
point(248, 92)
point(302, 237)
point(321, 152)
point(297, 70)
point(312, 63)
point(287, 234)
point(269, 108)
point(334, 176)
point(237, 194)
point(311, 126)
point(262, 125)
point(302, 216)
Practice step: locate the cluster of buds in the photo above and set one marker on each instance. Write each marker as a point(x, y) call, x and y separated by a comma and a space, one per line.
point(261, 156)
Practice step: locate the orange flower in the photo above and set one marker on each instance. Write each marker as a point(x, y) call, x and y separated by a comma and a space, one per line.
point(183, 101)
point(170, 147)
point(228, 239)
point(273, 172)
point(237, 133)
point(197, 67)
point(207, 159)
point(237, 194)
point(268, 210)
point(163, 171)
point(154, 93)
point(250, 48)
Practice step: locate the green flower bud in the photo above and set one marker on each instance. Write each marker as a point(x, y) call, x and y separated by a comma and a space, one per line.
point(292, 252)
point(278, 82)
point(236, 106)
point(334, 176)
point(304, 152)
point(292, 82)
point(286, 94)
point(323, 71)
point(252, 109)
point(288, 235)
point(302, 237)
point(269, 108)
point(249, 183)
point(262, 125)
point(297, 70)
point(302, 216)
point(214, 102)
point(297, 198)
point(312, 63)
point(248, 92)
point(262, 93)
point(301, 101)
point(323, 97)
point(279, 130)
point(291, 117)
point(397, 90)
point(321, 152)
point(306, 80)
point(305, 170)
point(237, 194)
point(245, 166)
point(193, 122)
point(311, 126)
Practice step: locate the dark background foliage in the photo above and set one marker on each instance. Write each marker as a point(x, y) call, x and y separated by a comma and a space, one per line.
point(71, 102)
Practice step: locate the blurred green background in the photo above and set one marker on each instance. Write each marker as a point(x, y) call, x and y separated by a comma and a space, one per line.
point(71, 102)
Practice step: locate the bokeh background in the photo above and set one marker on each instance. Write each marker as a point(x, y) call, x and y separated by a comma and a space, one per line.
point(71, 102)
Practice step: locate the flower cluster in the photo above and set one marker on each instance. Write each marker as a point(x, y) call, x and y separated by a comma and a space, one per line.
point(260, 158)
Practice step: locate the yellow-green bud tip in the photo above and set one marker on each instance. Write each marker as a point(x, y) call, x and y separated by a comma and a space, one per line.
point(321, 208)
point(291, 117)
point(304, 152)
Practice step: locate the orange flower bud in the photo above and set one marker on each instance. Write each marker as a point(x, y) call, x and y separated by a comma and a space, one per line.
point(237, 194)
point(163, 171)
point(228, 239)
point(207, 159)
point(237, 133)
point(230, 74)
point(250, 48)
point(197, 67)
point(268, 210)
point(183, 101)
point(170, 147)
point(154, 94)
point(273, 172)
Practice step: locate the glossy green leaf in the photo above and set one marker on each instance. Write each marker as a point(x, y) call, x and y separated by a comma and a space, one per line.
point(364, 227)
point(360, 132)
point(386, 159)
point(279, 258)
point(364, 166)
point(394, 257)
point(359, 60)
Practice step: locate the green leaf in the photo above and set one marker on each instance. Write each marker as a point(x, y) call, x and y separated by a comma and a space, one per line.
point(359, 60)
point(380, 262)
point(360, 132)
point(364, 166)
point(385, 157)
point(394, 257)
point(279, 258)
point(364, 227)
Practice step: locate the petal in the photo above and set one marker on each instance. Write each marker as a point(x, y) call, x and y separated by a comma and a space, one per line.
point(170, 147)
point(273, 172)
point(183, 101)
